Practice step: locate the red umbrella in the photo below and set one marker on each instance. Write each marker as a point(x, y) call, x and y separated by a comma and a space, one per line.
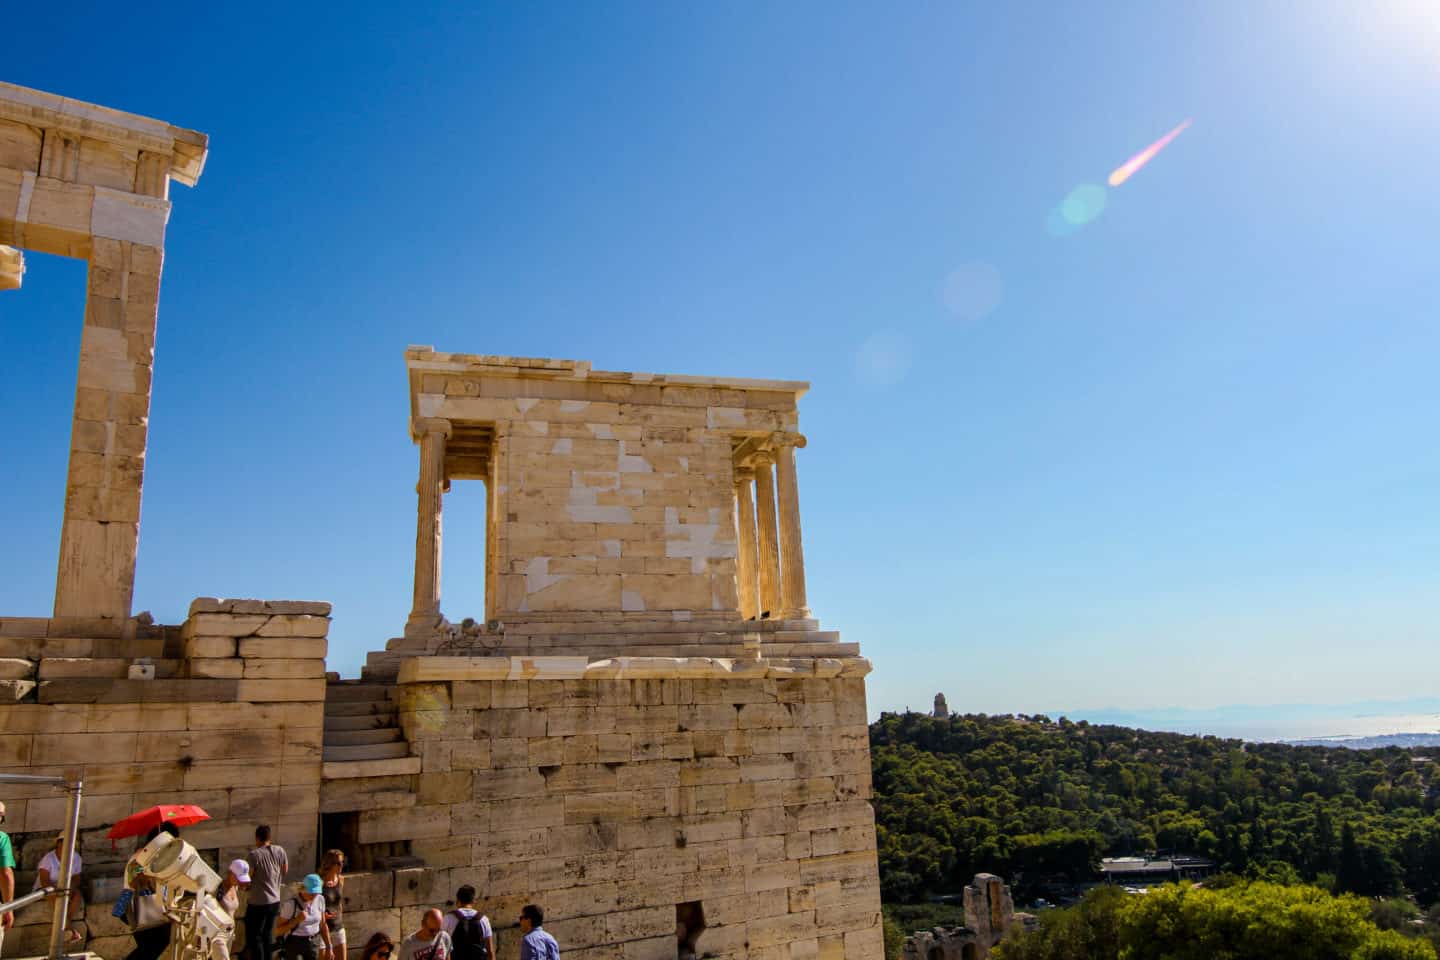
point(180, 814)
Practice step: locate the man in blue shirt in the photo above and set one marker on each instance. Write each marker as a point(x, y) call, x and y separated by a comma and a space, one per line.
point(536, 944)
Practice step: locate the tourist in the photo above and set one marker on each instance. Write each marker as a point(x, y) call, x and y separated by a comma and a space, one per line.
point(469, 929)
point(430, 942)
point(7, 878)
point(228, 896)
point(536, 944)
point(144, 911)
point(379, 947)
point(146, 916)
point(48, 875)
point(302, 922)
point(331, 865)
point(268, 866)
point(236, 876)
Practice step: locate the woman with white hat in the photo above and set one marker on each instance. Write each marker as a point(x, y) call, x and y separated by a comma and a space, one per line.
point(228, 896)
point(236, 876)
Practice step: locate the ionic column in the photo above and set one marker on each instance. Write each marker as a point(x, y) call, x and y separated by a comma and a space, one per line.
point(747, 563)
point(765, 524)
point(793, 605)
point(425, 613)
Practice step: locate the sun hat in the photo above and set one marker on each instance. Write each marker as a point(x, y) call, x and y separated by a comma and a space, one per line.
point(241, 869)
point(313, 883)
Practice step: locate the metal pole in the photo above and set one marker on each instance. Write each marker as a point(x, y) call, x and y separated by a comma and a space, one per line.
point(26, 900)
point(67, 873)
point(34, 779)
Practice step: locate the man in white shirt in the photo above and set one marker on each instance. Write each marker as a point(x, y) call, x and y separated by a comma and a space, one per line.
point(48, 875)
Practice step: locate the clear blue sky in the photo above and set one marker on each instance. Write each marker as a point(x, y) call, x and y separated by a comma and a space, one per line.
point(1188, 459)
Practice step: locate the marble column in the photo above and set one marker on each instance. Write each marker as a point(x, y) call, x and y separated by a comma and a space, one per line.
point(748, 560)
point(425, 613)
point(765, 523)
point(100, 532)
point(793, 605)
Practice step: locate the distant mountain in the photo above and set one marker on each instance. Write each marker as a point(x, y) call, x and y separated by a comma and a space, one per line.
point(1372, 743)
point(1284, 722)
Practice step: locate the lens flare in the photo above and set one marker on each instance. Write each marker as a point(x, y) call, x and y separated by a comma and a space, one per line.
point(973, 289)
point(1127, 169)
point(883, 359)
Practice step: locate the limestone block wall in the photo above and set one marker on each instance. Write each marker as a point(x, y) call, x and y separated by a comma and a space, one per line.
point(232, 722)
point(611, 493)
point(612, 792)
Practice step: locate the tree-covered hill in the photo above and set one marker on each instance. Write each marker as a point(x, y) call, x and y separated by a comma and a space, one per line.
point(1037, 800)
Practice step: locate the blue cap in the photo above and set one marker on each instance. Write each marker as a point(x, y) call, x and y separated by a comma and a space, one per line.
point(313, 883)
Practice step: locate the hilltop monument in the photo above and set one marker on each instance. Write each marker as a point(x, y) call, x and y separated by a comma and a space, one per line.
point(645, 730)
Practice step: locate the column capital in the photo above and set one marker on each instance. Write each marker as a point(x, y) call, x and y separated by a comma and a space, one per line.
point(421, 426)
point(783, 438)
point(744, 474)
point(762, 458)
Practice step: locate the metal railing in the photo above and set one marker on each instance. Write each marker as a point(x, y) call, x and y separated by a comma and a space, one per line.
point(62, 890)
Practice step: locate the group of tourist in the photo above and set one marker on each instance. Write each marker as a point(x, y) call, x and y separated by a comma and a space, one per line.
point(309, 925)
point(303, 923)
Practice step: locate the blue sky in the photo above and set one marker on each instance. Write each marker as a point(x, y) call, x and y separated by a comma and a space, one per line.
point(1187, 459)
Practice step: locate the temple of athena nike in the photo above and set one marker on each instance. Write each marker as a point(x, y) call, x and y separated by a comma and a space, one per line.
point(644, 731)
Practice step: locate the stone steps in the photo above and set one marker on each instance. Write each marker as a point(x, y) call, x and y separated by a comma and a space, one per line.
point(355, 738)
point(361, 725)
point(350, 691)
point(359, 708)
point(352, 769)
point(365, 751)
point(362, 721)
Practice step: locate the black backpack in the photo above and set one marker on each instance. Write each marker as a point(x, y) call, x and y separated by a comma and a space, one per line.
point(468, 939)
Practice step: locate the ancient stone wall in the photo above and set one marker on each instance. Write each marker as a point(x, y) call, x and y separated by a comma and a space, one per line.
point(612, 794)
point(231, 722)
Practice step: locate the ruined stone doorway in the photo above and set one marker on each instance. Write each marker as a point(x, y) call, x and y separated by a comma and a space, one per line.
point(689, 924)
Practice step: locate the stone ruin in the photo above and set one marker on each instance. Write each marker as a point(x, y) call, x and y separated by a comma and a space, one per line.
point(942, 709)
point(646, 732)
point(989, 916)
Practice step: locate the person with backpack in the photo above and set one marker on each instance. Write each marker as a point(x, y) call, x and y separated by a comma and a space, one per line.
point(301, 923)
point(469, 929)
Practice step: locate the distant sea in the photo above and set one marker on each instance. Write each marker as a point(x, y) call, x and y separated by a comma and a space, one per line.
point(1344, 724)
